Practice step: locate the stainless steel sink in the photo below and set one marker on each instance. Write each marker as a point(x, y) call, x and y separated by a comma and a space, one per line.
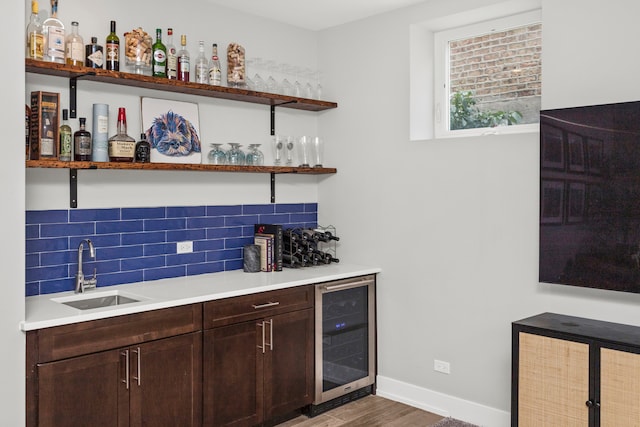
point(97, 300)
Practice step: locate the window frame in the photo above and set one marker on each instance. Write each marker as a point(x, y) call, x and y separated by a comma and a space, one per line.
point(442, 67)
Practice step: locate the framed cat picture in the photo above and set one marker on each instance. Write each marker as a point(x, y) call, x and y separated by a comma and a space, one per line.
point(172, 129)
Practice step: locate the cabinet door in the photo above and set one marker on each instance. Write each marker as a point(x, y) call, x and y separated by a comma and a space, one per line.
point(165, 382)
point(233, 375)
point(289, 366)
point(619, 388)
point(83, 391)
point(553, 382)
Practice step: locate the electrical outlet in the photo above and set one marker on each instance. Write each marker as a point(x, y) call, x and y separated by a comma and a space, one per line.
point(441, 366)
point(184, 247)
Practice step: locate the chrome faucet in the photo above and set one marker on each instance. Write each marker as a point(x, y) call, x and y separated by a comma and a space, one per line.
point(81, 283)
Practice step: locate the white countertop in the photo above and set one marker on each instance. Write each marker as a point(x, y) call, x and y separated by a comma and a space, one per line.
point(42, 311)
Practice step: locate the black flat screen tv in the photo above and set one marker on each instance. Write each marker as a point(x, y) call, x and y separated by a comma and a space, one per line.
point(590, 196)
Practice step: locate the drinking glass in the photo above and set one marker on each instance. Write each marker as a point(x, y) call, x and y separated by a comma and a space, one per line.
point(290, 146)
point(235, 156)
point(254, 156)
point(258, 81)
point(286, 86)
point(304, 146)
point(271, 83)
point(277, 143)
point(217, 156)
point(317, 148)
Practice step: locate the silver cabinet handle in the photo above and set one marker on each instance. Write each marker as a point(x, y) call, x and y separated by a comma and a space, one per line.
point(269, 304)
point(270, 322)
point(138, 373)
point(126, 368)
point(262, 347)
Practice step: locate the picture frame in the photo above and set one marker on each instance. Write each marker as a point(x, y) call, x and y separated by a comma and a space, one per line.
point(576, 202)
point(552, 194)
point(172, 129)
point(576, 151)
point(552, 152)
point(595, 153)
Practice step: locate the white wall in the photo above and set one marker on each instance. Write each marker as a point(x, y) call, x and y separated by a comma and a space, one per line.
point(12, 357)
point(454, 223)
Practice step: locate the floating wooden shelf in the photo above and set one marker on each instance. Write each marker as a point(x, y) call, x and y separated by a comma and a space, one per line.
point(55, 164)
point(148, 82)
point(135, 80)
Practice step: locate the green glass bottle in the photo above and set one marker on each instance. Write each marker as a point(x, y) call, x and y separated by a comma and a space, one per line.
point(112, 48)
point(65, 137)
point(159, 61)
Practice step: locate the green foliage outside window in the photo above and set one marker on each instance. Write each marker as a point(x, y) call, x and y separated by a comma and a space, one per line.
point(465, 114)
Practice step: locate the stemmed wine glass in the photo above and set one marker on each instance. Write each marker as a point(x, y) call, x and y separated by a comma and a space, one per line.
point(271, 83)
point(286, 86)
point(258, 82)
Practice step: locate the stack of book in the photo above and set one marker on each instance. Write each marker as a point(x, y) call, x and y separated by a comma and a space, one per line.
point(269, 238)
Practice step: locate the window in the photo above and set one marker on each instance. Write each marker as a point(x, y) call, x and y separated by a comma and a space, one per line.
point(488, 77)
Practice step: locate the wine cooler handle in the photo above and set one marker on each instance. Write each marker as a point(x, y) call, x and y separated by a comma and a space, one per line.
point(126, 368)
point(346, 285)
point(262, 347)
point(269, 304)
point(138, 373)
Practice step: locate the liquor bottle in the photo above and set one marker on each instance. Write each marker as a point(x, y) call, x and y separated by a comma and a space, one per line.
point(183, 60)
point(172, 56)
point(74, 46)
point(53, 31)
point(159, 57)
point(202, 65)
point(65, 137)
point(143, 150)
point(112, 47)
point(93, 54)
point(35, 38)
point(121, 146)
point(82, 142)
point(48, 144)
point(215, 72)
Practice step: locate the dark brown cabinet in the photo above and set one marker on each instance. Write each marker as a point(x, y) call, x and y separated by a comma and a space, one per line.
point(155, 380)
point(258, 357)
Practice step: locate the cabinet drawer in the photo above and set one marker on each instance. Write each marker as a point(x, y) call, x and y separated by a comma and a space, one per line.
point(250, 307)
point(88, 337)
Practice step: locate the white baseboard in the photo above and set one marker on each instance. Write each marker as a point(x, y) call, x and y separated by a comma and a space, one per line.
point(442, 404)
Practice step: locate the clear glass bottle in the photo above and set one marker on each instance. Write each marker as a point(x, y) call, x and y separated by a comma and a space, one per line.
point(82, 142)
point(172, 56)
point(112, 47)
point(184, 64)
point(53, 31)
point(93, 54)
point(122, 147)
point(143, 150)
point(35, 38)
point(215, 72)
point(202, 65)
point(159, 58)
point(65, 137)
point(74, 46)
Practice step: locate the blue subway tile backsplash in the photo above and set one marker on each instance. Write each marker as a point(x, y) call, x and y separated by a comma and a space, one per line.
point(139, 244)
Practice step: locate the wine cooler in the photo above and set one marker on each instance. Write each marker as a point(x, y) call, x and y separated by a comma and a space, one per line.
point(344, 342)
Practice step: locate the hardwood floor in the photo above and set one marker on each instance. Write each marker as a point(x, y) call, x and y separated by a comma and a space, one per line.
point(370, 411)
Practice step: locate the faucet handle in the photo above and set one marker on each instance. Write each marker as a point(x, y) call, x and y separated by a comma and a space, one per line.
point(94, 273)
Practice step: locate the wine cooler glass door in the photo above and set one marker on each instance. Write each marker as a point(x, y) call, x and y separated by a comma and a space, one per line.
point(344, 337)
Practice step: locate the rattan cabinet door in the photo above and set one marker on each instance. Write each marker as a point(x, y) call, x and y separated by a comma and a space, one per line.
point(619, 388)
point(553, 382)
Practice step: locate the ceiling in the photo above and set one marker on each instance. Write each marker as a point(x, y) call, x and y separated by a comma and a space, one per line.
point(315, 14)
